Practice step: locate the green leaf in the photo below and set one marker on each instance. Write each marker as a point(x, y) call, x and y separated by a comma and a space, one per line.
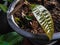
point(3, 43)
point(45, 20)
point(17, 20)
point(32, 6)
point(10, 0)
point(3, 7)
point(29, 17)
point(10, 38)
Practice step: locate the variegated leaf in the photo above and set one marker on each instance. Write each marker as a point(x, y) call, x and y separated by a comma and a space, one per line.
point(45, 20)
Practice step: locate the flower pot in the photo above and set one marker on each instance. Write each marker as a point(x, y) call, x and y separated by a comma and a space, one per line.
point(35, 39)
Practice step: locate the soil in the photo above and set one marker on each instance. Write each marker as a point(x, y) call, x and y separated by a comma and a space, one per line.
point(22, 11)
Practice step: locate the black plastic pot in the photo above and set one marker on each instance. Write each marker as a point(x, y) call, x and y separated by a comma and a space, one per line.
point(36, 39)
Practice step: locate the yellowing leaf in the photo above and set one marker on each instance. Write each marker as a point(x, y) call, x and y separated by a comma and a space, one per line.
point(17, 20)
point(45, 20)
point(3, 7)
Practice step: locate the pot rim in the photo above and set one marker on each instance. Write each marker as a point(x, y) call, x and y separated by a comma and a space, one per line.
point(22, 32)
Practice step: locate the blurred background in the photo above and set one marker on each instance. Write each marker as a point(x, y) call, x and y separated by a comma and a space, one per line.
point(7, 35)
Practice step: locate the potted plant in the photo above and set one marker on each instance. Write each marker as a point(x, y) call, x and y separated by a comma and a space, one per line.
point(21, 24)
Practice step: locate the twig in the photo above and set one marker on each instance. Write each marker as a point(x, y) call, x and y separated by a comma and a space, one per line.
point(16, 8)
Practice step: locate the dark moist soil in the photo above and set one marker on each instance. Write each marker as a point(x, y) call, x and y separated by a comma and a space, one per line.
point(32, 25)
